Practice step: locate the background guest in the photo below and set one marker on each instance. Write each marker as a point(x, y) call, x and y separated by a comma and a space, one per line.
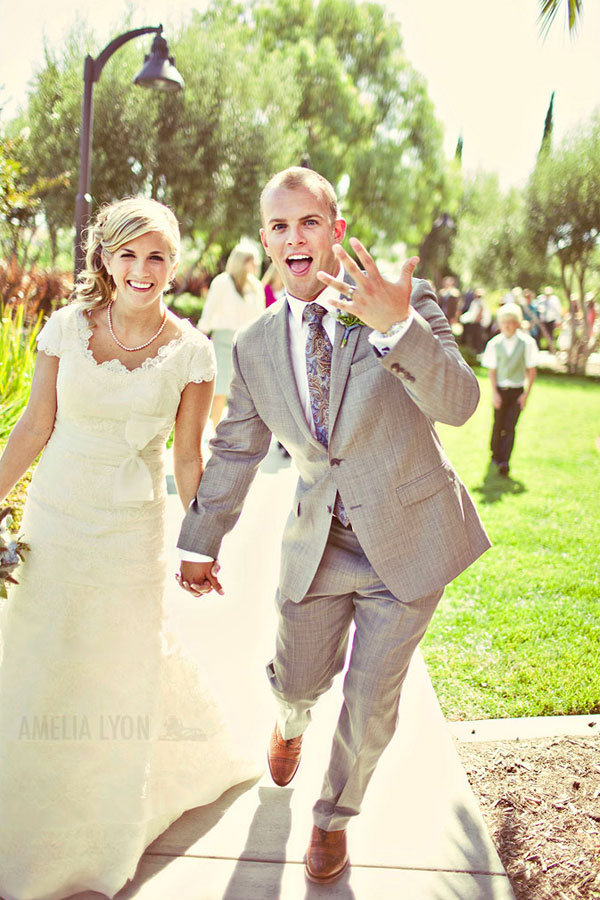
point(235, 298)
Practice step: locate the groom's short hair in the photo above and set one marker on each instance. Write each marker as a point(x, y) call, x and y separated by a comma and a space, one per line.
point(301, 177)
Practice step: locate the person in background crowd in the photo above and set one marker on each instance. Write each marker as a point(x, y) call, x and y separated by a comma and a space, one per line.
point(476, 321)
point(511, 358)
point(235, 298)
point(448, 298)
point(273, 285)
point(530, 316)
point(548, 308)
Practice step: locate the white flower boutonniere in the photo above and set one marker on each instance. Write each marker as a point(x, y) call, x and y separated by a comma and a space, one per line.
point(11, 552)
point(349, 322)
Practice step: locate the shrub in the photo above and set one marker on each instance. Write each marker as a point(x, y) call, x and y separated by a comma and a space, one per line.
point(37, 291)
point(17, 361)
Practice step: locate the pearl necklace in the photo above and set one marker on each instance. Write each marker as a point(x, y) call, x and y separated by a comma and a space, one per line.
point(141, 346)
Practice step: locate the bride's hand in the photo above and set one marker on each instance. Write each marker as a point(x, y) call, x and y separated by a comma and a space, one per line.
point(199, 577)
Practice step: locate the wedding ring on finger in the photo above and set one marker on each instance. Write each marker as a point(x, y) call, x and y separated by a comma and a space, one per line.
point(349, 292)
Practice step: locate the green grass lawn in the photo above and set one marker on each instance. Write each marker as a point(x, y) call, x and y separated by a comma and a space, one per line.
point(518, 634)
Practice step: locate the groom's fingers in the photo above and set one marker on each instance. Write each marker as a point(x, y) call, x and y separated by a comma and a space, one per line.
point(200, 578)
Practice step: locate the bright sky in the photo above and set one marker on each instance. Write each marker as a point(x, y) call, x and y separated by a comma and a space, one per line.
point(489, 74)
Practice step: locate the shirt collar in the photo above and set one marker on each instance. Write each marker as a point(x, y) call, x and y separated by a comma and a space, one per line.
point(324, 299)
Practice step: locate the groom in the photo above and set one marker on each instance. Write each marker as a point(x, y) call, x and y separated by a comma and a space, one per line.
point(380, 522)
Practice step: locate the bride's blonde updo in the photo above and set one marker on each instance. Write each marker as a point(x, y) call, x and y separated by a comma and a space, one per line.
point(115, 225)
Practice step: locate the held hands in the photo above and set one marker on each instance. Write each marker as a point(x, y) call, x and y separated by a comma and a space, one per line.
point(199, 578)
point(377, 302)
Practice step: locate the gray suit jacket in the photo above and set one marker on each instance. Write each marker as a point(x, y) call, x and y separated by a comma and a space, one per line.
point(412, 515)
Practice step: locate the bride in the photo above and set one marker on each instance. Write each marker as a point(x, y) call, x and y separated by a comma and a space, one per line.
point(106, 733)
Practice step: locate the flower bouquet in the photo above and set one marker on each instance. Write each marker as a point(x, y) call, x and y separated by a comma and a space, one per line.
point(11, 552)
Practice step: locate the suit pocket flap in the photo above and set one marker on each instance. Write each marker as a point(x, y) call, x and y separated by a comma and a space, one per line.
point(364, 365)
point(426, 485)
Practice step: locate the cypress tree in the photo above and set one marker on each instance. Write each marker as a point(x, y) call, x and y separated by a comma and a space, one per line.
point(546, 144)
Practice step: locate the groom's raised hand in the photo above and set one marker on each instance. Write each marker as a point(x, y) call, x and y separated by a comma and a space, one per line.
point(377, 302)
point(199, 577)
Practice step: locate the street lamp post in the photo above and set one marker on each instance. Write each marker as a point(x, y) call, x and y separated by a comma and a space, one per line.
point(157, 72)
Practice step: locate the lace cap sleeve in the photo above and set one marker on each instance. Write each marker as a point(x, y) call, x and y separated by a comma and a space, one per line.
point(203, 365)
point(50, 338)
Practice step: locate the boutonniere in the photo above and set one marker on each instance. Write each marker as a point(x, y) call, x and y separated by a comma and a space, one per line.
point(349, 322)
point(11, 552)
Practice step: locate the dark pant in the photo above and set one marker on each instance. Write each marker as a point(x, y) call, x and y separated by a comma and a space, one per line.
point(505, 420)
point(550, 329)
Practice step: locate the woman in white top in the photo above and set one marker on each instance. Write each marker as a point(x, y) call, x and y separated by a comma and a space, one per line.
point(235, 299)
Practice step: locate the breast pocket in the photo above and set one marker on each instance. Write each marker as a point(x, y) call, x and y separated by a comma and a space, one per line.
point(370, 363)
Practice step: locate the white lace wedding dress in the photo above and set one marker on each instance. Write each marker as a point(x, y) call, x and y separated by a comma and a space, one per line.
point(107, 733)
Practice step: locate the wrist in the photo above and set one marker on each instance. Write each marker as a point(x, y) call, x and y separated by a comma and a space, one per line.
point(395, 327)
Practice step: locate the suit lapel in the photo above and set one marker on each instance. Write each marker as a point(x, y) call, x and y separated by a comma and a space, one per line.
point(340, 364)
point(278, 344)
point(340, 368)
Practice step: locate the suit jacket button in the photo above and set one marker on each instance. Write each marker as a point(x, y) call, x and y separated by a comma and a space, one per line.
point(395, 367)
point(334, 461)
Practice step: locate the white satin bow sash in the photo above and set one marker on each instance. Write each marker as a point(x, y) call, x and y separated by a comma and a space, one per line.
point(133, 482)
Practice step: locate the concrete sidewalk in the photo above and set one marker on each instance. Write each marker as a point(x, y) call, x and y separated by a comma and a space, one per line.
point(420, 835)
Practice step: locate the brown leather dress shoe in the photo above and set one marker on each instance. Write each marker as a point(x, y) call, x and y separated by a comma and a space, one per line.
point(327, 858)
point(284, 757)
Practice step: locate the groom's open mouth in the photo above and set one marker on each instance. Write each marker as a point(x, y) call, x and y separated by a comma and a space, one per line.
point(299, 263)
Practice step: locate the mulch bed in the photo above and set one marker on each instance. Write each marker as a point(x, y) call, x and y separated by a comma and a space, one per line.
point(541, 802)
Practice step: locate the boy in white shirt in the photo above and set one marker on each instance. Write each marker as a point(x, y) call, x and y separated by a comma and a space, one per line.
point(511, 357)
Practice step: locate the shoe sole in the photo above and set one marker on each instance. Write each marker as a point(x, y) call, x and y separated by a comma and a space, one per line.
point(328, 879)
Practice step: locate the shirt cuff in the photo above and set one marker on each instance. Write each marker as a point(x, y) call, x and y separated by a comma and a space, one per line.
point(386, 342)
point(190, 556)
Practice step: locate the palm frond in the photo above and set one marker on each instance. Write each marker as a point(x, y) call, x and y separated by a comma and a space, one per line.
point(549, 10)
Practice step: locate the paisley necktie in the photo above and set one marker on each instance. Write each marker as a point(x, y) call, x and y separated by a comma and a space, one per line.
point(318, 370)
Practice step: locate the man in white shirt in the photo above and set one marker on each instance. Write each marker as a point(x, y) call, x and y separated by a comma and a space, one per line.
point(511, 357)
point(379, 523)
point(547, 305)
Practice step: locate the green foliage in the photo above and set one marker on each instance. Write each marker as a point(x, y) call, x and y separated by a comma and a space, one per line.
point(563, 219)
point(187, 306)
point(518, 633)
point(20, 198)
point(546, 144)
point(266, 84)
point(549, 10)
point(492, 247)
point(17, 362)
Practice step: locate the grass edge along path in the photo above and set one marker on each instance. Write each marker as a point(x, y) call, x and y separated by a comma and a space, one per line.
point(518, 634)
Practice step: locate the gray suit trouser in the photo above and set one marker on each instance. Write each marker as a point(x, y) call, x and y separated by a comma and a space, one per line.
point(311, 648)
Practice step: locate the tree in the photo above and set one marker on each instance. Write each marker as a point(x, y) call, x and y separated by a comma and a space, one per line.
point(370, 125)
point(563, 203)
point(492, 248)
point(546, 144)
point(549, 10)
point(266, 85)
point(203, 151)
point(20, 201)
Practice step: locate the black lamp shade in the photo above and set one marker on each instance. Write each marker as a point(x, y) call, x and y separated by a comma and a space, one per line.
point(159, 70)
